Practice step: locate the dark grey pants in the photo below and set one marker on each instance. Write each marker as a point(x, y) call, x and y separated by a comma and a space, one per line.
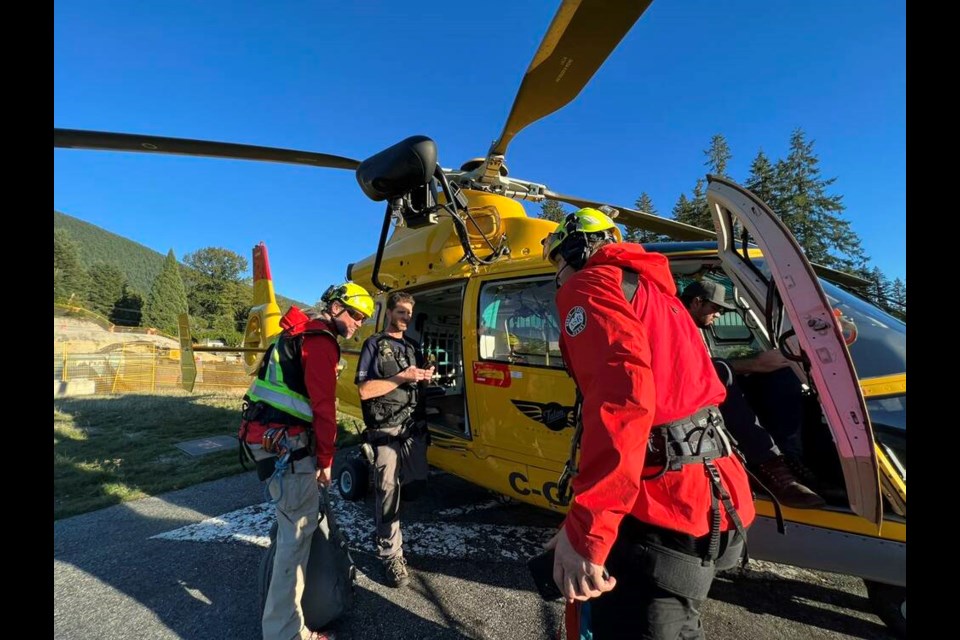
point(638, 607)
point(395, 464)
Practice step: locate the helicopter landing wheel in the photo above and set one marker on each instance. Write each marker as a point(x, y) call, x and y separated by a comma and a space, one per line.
point(889, 602)
point(353, 479)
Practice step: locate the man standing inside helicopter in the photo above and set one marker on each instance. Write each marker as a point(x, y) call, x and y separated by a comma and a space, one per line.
point(289, 426)
point(660, 501)
point(388, 374)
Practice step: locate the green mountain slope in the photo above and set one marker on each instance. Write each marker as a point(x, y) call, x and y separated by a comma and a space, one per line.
point(140, 264)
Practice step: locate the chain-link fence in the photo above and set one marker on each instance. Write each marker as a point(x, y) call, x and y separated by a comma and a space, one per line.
point(144, 368)
point(133, 360)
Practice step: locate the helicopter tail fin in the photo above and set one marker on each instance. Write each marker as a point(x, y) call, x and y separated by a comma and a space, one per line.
point(262, 280)
point(263, 323)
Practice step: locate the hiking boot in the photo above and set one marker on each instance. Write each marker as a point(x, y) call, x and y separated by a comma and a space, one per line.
point(396, 571)
point(779, 480)
point(802, 472)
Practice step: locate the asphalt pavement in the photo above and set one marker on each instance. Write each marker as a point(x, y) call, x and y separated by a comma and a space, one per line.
point(184, 565)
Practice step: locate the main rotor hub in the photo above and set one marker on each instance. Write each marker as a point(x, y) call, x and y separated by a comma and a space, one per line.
point(470, 165)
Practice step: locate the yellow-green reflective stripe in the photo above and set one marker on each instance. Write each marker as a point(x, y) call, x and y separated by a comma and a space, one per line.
point(274, 371)
point(295, 404)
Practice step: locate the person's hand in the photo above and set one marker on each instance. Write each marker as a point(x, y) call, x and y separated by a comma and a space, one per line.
point(324, 477)
point(427, 374)
point(410, 374)
point(577, 577)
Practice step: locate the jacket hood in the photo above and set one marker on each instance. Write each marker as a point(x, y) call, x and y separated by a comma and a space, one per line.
point(654, 267)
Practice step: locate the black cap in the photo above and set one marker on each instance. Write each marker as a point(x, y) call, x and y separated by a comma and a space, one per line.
point(707, 290)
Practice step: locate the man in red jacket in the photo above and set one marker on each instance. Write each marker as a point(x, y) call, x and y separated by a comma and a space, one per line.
point(290, 426)
point(660, 501)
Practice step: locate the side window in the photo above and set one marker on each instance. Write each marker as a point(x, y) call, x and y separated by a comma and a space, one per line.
point(518, 323)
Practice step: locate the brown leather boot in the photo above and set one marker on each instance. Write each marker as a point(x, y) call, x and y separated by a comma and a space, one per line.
point(780, 481)
point(802, 472)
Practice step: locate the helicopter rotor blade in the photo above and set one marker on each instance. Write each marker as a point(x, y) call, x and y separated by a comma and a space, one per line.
point(641, 219)
point(105, 141)
point(681, 231)
point(580, 38)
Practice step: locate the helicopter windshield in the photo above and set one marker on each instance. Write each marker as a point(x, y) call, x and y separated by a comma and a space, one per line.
point(881, 345)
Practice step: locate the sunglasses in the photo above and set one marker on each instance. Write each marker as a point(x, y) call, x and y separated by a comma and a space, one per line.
point(547, 243)
point(356, 315)
point(714, 306)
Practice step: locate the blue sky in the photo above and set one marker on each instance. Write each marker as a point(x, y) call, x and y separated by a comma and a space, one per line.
point(353, 78)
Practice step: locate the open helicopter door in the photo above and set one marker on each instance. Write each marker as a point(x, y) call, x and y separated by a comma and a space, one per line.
point(785, 287)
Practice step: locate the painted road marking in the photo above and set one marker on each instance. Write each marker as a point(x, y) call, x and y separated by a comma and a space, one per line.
point(473, 541)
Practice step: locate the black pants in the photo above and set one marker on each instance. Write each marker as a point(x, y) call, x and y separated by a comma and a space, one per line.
point(777, 399)
point(764, 414)
point(639, 608)
point(754, 441)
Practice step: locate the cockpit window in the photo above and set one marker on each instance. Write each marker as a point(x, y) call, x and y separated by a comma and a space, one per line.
point(881, 345)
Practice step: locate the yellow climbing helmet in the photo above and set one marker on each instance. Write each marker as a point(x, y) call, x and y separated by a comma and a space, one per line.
point(352, 296)
point(586, 221)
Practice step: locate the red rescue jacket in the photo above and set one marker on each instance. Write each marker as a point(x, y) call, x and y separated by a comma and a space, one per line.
point(637, 366)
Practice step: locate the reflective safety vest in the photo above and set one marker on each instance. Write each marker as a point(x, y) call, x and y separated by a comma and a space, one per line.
point(271, 388)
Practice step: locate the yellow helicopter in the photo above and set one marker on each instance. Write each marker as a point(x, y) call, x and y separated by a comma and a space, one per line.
point(500, 406)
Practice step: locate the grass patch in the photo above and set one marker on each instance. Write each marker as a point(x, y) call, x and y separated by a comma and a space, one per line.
point(110, 449)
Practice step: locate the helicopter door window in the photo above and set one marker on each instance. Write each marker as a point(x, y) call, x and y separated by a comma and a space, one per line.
point(729, 336)
point(518, 323)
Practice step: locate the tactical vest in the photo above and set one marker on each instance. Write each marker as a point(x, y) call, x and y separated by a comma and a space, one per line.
point(279, 383)
point(394, 408)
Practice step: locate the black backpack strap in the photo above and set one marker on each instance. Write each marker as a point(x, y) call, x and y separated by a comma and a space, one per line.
point(629, 284)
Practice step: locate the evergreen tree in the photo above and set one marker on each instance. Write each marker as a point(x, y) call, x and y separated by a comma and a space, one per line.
point(128, 310)
point(552, 210)
point(718, 155)
point(694, 211)
point(898, 295)
point(811, 214)
point(70, 280)
point(683, 209)
point(880, 290)
point(762, 181)
point(167, 298)
point(106, 287)
point(635, 234)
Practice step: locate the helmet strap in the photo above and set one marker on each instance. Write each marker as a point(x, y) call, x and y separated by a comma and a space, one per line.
point(556, 279)
point(336, 316)
point(575, 250)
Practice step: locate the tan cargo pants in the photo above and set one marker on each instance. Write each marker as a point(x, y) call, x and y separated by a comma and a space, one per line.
point(297, 511)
